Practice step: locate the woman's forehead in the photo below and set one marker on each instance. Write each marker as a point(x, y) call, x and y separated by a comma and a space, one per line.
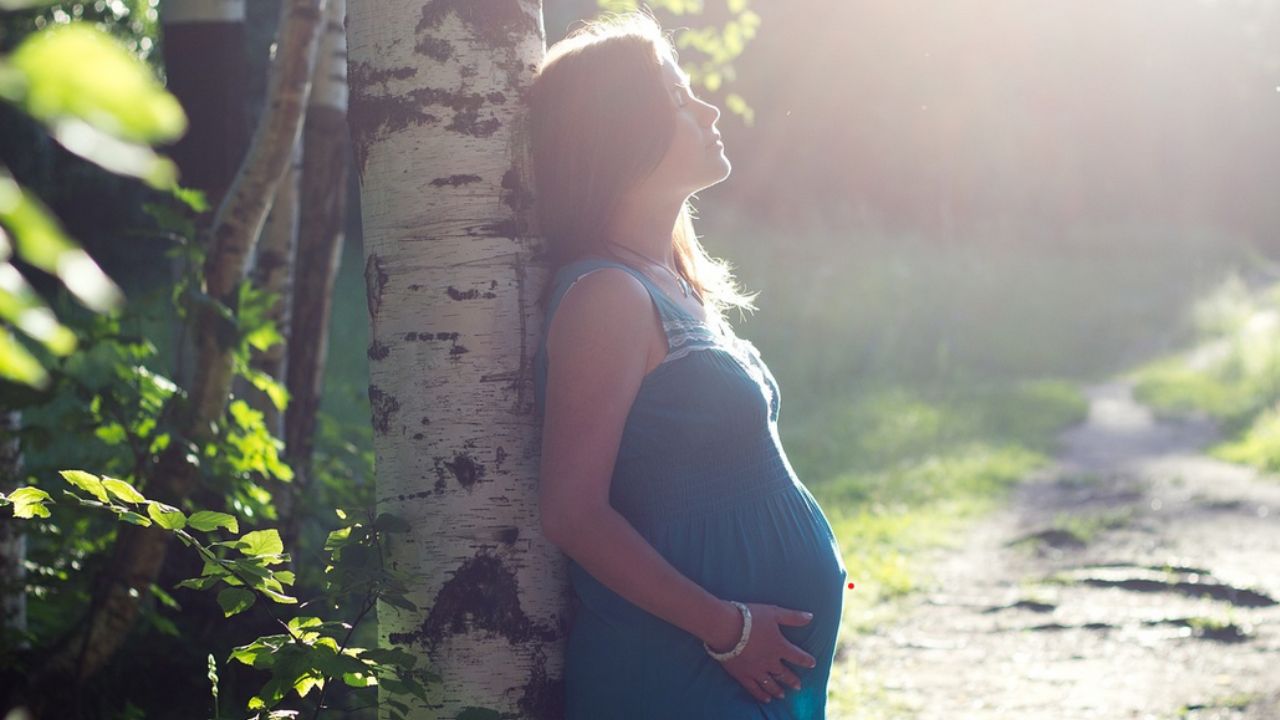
point(672, 72)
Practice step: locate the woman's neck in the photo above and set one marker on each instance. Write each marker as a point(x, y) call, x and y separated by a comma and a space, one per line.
point(647, 228)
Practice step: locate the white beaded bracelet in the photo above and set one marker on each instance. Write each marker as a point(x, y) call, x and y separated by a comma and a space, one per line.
point(742, 642)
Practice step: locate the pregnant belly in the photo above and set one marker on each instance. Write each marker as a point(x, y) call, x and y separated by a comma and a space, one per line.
point(778, 549)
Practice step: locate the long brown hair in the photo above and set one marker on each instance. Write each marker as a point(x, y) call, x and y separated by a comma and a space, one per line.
point(600, 122)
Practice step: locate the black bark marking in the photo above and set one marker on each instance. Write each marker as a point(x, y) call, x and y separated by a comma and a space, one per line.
point(497, 23)
point(481, 595)
point(458, 350)
point(425, 421)
point(437, 49)
point(383, 406)
point(496, 97)
point(468, 122)
point(413, 496)
point(455, 180)
point(514, 194)
point(509, 535)
point(418, 436)
point(463, 468)
point(375, 279)
point(456, 294)
point(370, 110)
point(512, 228)
point(543, 697)
point(378, 351)
point(499, 456)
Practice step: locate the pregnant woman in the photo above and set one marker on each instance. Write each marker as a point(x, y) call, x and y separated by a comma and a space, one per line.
point(709, 583)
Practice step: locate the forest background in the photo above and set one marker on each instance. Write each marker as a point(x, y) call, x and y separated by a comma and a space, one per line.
point(953, 215)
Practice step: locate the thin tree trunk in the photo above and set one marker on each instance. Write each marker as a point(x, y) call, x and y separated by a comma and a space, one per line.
point(13, 540)
point(436, 104)
point(139, 552)
point(272, 272)
point(206, 68)
point(324, 210)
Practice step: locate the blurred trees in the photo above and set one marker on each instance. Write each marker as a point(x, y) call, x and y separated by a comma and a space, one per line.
point(938, 118)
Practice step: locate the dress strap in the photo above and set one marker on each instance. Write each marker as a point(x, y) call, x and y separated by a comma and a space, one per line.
point(684, 333)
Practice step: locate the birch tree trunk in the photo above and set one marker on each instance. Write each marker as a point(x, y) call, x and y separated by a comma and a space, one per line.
point(139, 551)
point(13, 540)
point(436, 104)
point(272, 272)
point(324, 210)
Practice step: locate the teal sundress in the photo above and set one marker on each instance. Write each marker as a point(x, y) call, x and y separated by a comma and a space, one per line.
point(702, 476)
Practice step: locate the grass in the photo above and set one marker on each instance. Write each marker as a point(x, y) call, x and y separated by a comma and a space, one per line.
point(900, 470)
point(1231, 373)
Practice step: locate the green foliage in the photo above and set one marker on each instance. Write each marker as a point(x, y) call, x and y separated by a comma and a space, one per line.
point(100, 102)
point(312, 653)
point(106, 107)
point(28, 502)
point(713, 47)
point(1232, 374)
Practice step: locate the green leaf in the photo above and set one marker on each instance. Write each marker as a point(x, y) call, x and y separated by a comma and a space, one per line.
point(122, 490)
point(235, 600)
point(261, 542)
point(361, 680)
point(260, 653)
point(305, 682)
point(87, 482)
point(106, 87)
point(279, 597)
point(23, 308)
point(132, 517)
point(200, 583)
point(303, 622)
point(164, 597)
point(29, 502)
point(19, 365)
point(166, 516)
point(337, 539)
point(42, 242)
point(208, 520)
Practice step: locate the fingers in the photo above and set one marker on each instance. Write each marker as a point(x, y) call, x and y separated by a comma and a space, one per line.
point(755, 690)
point(779, 682)
point(800, 658)
point(794, 617)
point(773, 687)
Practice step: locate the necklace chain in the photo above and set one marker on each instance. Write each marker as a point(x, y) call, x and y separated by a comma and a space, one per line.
point(684, 284)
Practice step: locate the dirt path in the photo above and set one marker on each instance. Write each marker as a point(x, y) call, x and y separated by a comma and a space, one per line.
point(1136, 578)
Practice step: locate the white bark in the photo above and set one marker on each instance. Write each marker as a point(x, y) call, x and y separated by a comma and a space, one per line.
point(436, 93)
point(324, 204)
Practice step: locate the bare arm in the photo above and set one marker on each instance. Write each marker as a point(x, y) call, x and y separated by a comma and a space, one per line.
point(597, 350)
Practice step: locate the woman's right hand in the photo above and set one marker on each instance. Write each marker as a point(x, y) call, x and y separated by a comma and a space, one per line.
point(766, 648)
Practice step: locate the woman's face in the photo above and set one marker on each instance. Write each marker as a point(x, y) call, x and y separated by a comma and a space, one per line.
point(695, 159)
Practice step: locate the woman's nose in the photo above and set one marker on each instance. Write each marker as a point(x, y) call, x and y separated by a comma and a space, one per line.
point(711, 111)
